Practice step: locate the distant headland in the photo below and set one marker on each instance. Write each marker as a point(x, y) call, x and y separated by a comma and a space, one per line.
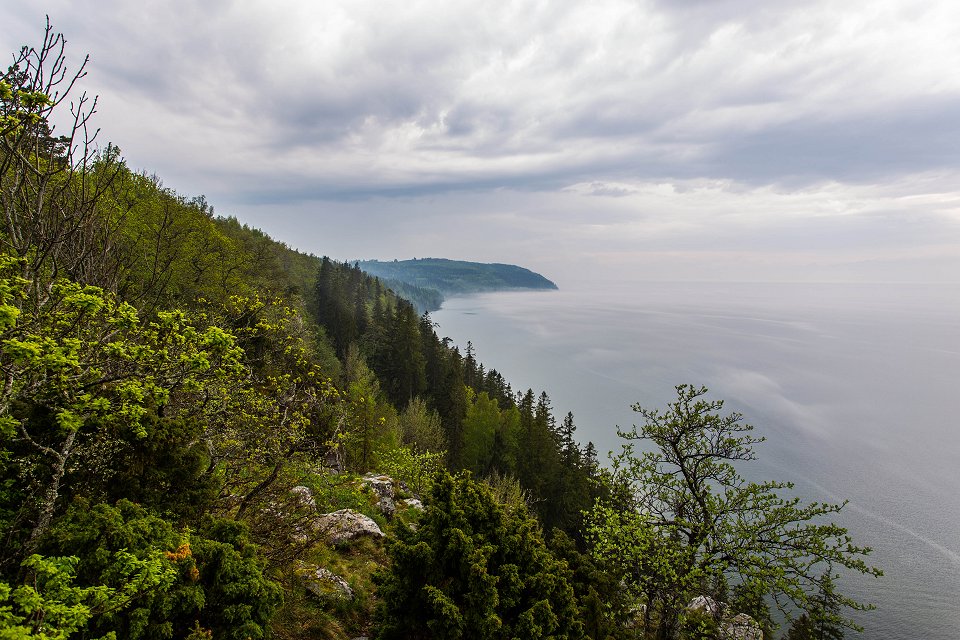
point(428, 281)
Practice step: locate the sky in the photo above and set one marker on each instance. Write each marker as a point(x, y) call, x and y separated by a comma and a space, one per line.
point(795, 140)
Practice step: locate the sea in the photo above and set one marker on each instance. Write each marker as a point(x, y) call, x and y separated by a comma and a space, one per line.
point(856, 388)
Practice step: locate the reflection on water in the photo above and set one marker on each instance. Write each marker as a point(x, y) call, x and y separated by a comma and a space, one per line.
point(853, 385)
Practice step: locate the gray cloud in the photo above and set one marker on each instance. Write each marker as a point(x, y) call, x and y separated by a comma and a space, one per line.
point(686, 121)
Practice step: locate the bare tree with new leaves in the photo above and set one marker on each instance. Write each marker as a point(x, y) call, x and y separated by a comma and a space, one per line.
point(50, 184)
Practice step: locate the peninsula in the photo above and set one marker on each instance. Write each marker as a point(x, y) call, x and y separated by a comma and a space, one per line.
point(427, 281)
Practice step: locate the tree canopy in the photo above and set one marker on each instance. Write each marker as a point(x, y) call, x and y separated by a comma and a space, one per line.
point(688, 520)
point(475, 569)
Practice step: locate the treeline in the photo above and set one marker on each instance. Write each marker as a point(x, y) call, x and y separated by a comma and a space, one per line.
point(485, 427)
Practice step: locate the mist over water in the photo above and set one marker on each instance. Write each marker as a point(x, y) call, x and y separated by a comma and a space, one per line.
point(854, 387)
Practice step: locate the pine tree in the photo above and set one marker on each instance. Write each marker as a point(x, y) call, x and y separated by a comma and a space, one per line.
point(475, 569)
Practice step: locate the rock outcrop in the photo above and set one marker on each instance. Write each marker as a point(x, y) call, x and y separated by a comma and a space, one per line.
point(346, 525)
point(324, 583)
point(410, 503)
point(736, 627)
point(303, 496)
point(383, 486)
point(741, 627)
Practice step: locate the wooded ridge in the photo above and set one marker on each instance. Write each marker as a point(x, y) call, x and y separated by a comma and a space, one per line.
point(427, 281)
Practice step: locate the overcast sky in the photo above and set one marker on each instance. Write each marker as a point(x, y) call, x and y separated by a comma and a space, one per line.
point(688, 139)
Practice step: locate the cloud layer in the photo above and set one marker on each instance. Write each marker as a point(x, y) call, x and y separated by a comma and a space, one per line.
point(823, 131)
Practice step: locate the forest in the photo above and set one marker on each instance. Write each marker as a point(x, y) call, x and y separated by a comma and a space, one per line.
point(427, 281)
point(187, 402)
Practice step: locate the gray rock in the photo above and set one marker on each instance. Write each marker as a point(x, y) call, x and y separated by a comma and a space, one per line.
point(737, 627)
point(382, 485)
point(741, 627)
point(387, 507)
point(324, 583)
point(303, 496)
point(346, 525)
point(411, 503)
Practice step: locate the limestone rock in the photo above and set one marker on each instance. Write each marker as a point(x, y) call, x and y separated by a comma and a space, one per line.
point(707, 605)
point(741, 627)
point(303, 496)
point(324, 583)
point(384, 488)
point(346, 525)
point(737, 627)
point(382, 485)
point(411, 503)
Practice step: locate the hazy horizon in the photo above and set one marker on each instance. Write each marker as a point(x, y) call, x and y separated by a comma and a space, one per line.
point(722, 140)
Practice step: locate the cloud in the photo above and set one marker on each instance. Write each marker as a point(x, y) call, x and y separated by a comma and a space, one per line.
point(727, 123)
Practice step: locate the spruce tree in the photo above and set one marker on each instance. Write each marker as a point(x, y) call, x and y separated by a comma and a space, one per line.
point(474, 569)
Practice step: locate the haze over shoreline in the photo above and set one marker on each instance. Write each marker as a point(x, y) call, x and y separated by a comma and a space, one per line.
point(851, 384)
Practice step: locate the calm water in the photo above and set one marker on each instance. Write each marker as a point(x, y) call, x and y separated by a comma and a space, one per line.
point(856, 388)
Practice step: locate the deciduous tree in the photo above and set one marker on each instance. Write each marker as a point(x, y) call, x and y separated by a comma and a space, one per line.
point(691, 518)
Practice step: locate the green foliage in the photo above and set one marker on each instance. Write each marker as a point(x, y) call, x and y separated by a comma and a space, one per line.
point(104, 538)
point(605, 609)
point(822, 619)
point(212, 577)
point(507, 491)
point(698, 625)
point(49, 607)
point(238, 600)
point(480, 427)
point(420, 427)
point(690, 518)
point(416, 470)
point(84, 371)
point(474, 570)
point(750, 598)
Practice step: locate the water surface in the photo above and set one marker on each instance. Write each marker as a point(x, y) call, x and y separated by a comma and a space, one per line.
point(854, 386)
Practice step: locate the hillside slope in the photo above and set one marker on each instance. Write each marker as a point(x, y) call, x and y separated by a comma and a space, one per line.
point(420, 279)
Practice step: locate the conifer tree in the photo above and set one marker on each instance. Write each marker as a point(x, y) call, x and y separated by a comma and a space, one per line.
point(474, 570)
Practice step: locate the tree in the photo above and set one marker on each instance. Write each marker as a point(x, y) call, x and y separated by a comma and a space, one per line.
point(51, 607)
point(822, 620)
point(420, 427)
point(474, 569)
point(50, 186)
point(82, 369)
point(211, 576)
point(690, 518)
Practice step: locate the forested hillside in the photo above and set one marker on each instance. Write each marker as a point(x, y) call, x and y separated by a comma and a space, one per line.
point(426, 281)
point(187, 406)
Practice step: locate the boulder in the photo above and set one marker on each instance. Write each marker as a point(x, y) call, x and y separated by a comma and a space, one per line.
point(741, 627)
point(412, 503)
point(706, 605)
point(383, 487)
point(303, 496)
point(737, 627)
point(346, 525)
point(324, 583)
point(387, 507)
